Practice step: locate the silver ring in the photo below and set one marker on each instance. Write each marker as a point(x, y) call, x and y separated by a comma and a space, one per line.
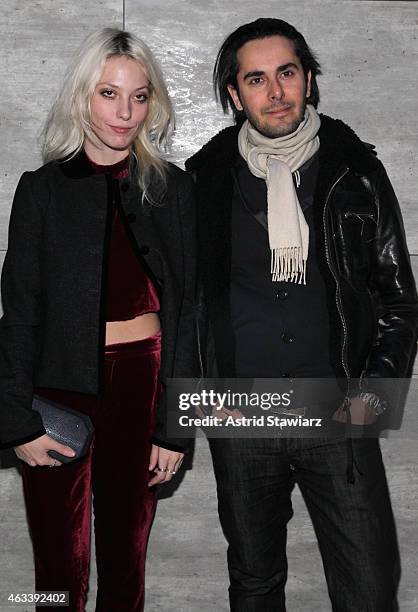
point(174, 472)
point(162, 469)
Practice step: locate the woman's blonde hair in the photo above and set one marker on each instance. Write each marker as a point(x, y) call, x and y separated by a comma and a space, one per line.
point(68, 122)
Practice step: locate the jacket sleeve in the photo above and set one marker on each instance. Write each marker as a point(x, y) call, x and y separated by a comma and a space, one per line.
point(393, 285)
point(186, 359)
point(20, 323)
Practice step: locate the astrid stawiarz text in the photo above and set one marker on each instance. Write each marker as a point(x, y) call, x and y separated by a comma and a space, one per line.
point(263, 420)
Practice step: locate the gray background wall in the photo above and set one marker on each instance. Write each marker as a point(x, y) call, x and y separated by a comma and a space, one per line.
point(368, 52)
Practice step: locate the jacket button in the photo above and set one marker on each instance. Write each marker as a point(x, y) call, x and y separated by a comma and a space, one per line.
point(282, 294)
point(144, 250)
point(287, 338)
point(124, 186)
point(131, 217)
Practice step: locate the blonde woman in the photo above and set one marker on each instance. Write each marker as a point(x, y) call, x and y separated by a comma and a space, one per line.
point(98, 290)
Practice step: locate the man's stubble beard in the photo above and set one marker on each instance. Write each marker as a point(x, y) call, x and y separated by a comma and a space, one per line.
point(270, 132)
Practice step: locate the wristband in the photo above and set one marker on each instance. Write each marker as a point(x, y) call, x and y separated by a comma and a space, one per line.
point(377, 404)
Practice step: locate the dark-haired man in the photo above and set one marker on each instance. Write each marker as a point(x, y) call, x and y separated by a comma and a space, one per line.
point(305, 274)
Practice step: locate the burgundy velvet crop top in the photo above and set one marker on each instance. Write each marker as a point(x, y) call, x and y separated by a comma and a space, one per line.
point(130, 291)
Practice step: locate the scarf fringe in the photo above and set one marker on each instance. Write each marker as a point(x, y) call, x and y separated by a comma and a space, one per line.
point(287, 265)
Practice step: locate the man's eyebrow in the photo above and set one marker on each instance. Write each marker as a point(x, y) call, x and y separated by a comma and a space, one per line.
point(259, 73)
point(253, 73)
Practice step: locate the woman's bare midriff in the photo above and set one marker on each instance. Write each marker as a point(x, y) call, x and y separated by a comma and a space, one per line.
point(141, 327)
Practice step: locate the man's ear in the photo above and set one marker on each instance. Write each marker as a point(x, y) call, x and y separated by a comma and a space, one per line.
point(308, 83)
point(235, 97)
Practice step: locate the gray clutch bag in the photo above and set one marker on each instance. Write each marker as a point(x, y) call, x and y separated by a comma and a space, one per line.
point(65, 425)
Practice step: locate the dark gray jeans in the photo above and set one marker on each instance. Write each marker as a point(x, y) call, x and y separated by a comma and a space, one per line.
point(353, 522)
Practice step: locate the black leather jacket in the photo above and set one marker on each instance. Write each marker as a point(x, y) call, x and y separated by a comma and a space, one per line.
point(372, 298)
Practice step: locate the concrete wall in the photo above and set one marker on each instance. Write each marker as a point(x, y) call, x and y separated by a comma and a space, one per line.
point(368, 52)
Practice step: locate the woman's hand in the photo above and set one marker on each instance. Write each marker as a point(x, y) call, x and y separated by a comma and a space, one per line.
point(36, 452)
point(164, 463)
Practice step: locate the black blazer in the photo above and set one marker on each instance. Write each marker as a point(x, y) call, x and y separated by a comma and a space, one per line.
point(53, 328)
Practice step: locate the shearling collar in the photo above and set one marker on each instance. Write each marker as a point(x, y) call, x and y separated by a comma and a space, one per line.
point(339, 143)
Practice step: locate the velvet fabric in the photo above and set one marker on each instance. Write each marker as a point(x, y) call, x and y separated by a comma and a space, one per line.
point(59, 499)
point(129, 290)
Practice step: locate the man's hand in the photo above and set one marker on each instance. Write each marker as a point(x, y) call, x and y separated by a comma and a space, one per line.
point(164, 463)
point(224, 413)
point(36, 452)
point(361, 413)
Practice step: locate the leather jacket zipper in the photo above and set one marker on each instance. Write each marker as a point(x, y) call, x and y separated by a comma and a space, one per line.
point(360, 216)
point(344, 362)
point(199, 345)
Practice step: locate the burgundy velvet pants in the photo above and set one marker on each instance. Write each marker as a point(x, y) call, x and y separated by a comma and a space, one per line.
point(59, 500)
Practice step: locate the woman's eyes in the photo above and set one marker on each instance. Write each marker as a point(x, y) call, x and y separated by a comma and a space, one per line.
point(110, 94)
point(141, 98)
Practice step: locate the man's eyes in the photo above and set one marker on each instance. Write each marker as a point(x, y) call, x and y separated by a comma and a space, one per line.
point(286, 74)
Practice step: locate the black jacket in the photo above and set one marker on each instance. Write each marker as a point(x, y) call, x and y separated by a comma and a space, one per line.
point(53, 328)
point(372, 300)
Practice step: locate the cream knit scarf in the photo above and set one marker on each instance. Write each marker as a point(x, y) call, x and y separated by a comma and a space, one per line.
point(274, 159)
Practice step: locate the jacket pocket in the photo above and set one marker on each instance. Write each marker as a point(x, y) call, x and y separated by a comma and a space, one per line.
point(355, 234)
point(363, 223)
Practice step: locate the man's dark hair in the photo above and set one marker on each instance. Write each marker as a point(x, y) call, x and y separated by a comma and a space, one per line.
point(226, 66)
